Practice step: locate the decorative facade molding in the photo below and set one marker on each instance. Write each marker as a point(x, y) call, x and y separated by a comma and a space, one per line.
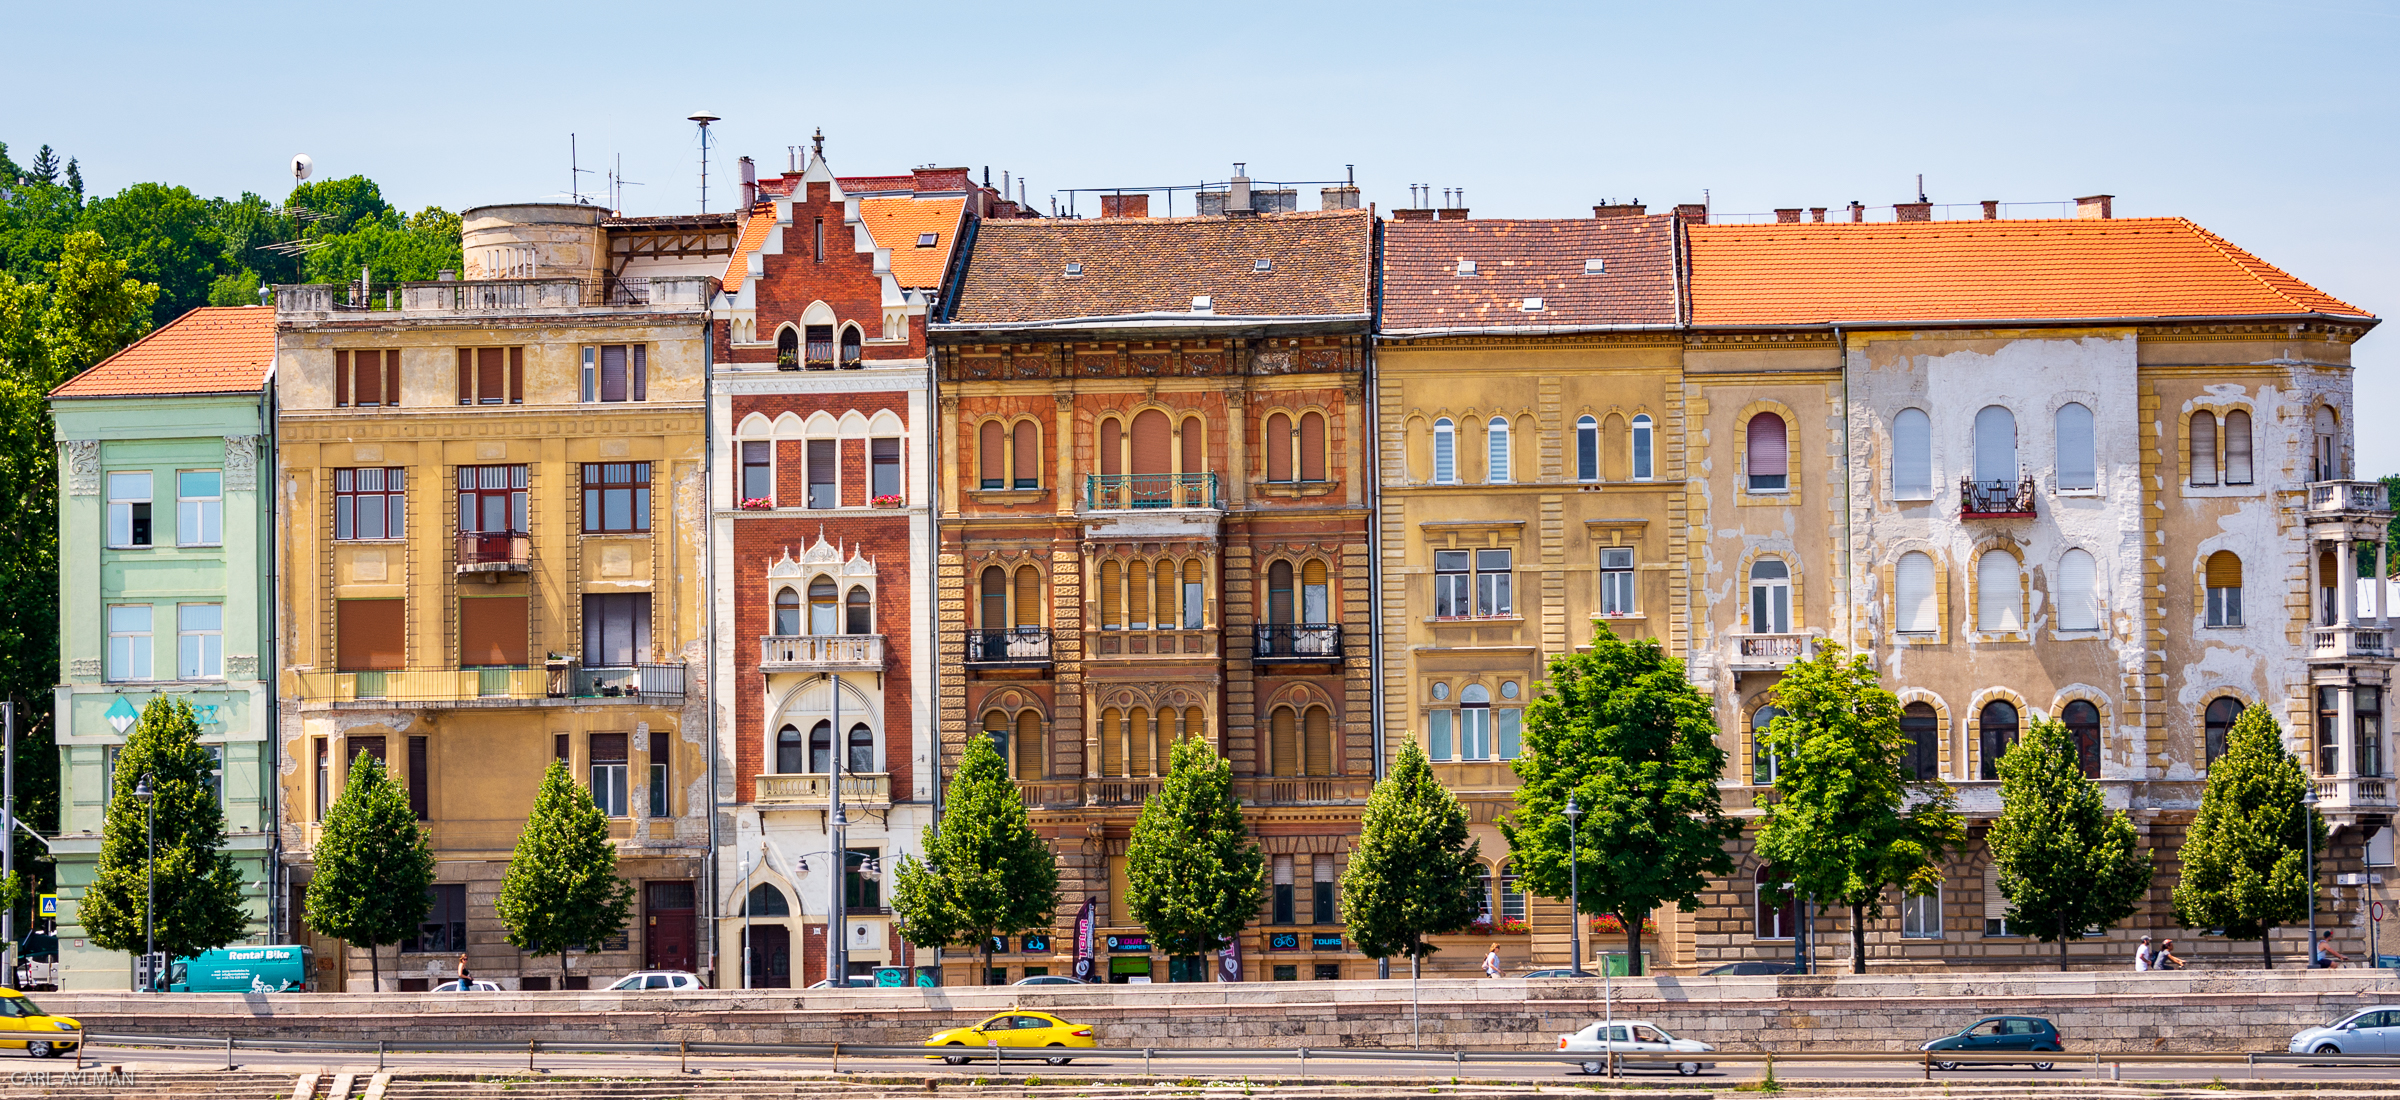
point(83, 466)
point(241, 462)
point(84, 669)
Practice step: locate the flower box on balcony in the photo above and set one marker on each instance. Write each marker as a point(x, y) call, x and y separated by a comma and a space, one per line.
point(1609, 924)
point(756, 504)
point(892, 501)
point(1505, 926)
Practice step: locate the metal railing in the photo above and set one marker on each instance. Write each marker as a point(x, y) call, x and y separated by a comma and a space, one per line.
point(2348, 496)
point(494, 551)
point(1122, 791)
point(497, 295)
point(2349, 641)
point(626, 681)
point(858, 788)
point(820, 653)
point(1996, 498)
point(1117, 492)
point(1304, 642)
point(1770, 650)
point(492, 684)
point(1021, 646)
point(1302, 790)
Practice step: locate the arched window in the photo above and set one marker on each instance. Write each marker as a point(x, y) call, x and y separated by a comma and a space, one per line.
point(1445, 456)
point(2204, 448)
point(1999, 595)
point(1316, 741)
point(1587, 449)
point(1767, 454)
point(1032, 758)
point(1475, 723)
point(1137, 595)
point(1192, 446)
point(765, 899)
point(862, 749)
point(2328, 451)
point(821, 597)
point(1912, 455)
point(1283, 747)
point(1028, 612)
point(788, 760)
point(2216, 723)
point(1112, 742)
point(860, 617)
point(1641, 447)
point(993, 612)
point(2082, 720)
point(2237, 447)
point(1777, 909)
point(992, 455)
point(2224, 574)
point(1138, 740)
point(787, 348)
point(1192, 594)
point(1312, 446)
point(1496, 435)
point(1169, 604)
point(820, 747)
point(1995, 446)
point(1512, 896)
point(787, 612)
point(1279, 592)
point(2078, 465)
point(1112, 595)
point(1915, 609)
point(1279, 447)
point(995, 727)
point(1153, 443)
point(1999, 728)
point(1770, 597)
point(1112, 447)
point(2078, 592)
point(1314, 601)
point(1764, 764)
point(1923, 727)
point(850, 341)
point(1028, 446)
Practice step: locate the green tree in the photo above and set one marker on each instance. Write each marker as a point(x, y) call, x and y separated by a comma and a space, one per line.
point(985, 872)
point(392, 249)
point(1620, 730)
point(2244, 856)
point(1848, 820)
point(373, 869)
point(167, 237)
point(198, 889)
point(562, 888)
point(1191, 869)
point(1412, 874)
point(335, 207)
point(92, 308)
point(2066, 863)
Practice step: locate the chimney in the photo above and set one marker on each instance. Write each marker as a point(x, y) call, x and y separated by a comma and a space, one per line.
point(749, 184)
point(1858, 211)
point(1419, 214)
point(2095, 206)
point(1991, 209)
point(1452, 213)
point(1615, 209)
point(1339, 198)
point(1787, 215)
point(1692, 212)
point(1912, 212)
point(1125, 206)
point(1816, 213)
point(1237, 193)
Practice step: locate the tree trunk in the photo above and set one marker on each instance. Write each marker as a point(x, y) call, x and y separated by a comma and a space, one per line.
point(2062, 944)
point(374, 972)
point(1633, 947)
point(2266, 946)
point(562, 969)
point(1858, 938)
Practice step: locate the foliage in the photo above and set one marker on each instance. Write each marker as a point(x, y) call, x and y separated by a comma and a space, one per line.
point(1620, 730)
point(341, 204)
point(198, 889)
point(2391, 533)
point(1412, 874)
point(392, 249)
point(562, 888)
point(93, 307)
point(373, 869)
point(2066, 863)
point(2243, 855)
point(1191, 869)
point(167, 237)
point(1848, 820)
point(985, 872)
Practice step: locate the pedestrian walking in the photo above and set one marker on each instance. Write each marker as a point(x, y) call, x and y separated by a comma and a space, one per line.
point(2326, 954)
point(2142, 956)
point(466, 977)
point(2165, 959)
point(1491, 962)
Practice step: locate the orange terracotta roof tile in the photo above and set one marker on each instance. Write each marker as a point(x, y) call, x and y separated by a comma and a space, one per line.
point(213, 349)
point(754, 234)
point(2000, 270)
point(899, 223)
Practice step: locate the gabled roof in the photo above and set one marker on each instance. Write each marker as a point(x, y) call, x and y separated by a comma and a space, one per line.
point(1518, 259)
point(213, 349)
point(1317, 268)
point(754, 234)
point(898, 223)
point(1976, 271)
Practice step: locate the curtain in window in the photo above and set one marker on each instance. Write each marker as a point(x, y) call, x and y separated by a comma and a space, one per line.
point(2078, 467)
point(1999, 597)
point(1913, 603)
point(1995, 445)
point(1912, 455)
point(2078, 599)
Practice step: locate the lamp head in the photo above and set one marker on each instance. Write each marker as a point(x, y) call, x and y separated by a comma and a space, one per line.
point(1573, 811)
point(142, 792)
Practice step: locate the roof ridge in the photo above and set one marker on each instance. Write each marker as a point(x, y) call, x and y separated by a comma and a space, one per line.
point(2249, 264)
point(191, 316)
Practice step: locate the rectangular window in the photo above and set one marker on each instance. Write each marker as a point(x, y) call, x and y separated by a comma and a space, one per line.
point(1616, 582)
point(884, 467)
point(366, 379)
point(324, 755)
point(491, 500)
point(1921, 916)
point(129, 508)
point(591, 373)
point(622, 373)
point(199, 508)
point(616, 629)
point(862, 886)
point(616, 496)
point(494, 632)
point(129, 641)
point(1492, 588)
point(215, 779)
point(823, 473)
point(491, 376)
point(420, 779)
point(1320, 892)
point(200, 641)
point(2366, 727)
point(108, 773)
point(1282, 913)
point(758, 471)
point(608, 773)
point(444, 929)
point(1511, 722)
point(2224, 606)
point(370, 502)
point(661, 749)
point(1437, 734)
point(1452, 581)
point(1475, 733)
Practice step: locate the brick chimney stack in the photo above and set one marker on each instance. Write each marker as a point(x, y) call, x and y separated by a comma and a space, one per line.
point(1858, 211)
point(1787, 215)
point(2095, 206)
point(1614, 209)
point(1991, 209)
point(1816, 213)
point(1912, 212)
point(1692, 212)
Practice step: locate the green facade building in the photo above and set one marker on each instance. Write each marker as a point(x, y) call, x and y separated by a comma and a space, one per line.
point(166, 535)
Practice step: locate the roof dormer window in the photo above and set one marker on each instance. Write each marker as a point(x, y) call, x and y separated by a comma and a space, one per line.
point(1594, 266)
point(926, 240)
point(1074, 271)
point(1262, 265)
point(1466, 267)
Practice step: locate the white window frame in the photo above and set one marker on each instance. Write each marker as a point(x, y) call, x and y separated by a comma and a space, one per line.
point(204, 512)
point(1587, 449)
point(1498, 454)
point(131, 656)
point(609, 787)
point(1617, 586)
point(120, 509)
point(1644, 456)
point(199, 649)
point(1445, 452)
point(1921, 915)
point(1771, 598)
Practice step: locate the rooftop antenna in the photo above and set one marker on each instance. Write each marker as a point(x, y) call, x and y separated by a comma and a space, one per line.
point(575, 171)
point(617, 183)
point(703, 118)
point(1921, 187)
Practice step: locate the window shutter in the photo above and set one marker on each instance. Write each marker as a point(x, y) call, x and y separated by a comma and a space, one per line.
point(612, 372)
point(1112, 447)
point(1112, 583)
point(466, 376)
point(1153, 443)
point(2077, 608)
point(1112, 744)
point(608, 748)
point(366, 381)
point(641, 372)
point(1029, 596)
point(1912, 588)
point(1312, 573)
point(1195, 456)
point(1999, 606)
point(2078, 467)
point(516, 376)
point(1137, 595)
point(1137, 742)
point(2237, 448)
point(1282, 752)
point(1995, 904)
point(370, 634)
point(1312, 447)
point(491, 369)
point(2204, 448)
point(1029, 454)
point(391, 377)
point(1279, 448)
point(994, 469)
point(1169, 602)
point(1029, 746)
point(492, 631)
point(2224, 570)
point(419, 776)
point(1768, 451)
point(341, 378)
point(1319, 739)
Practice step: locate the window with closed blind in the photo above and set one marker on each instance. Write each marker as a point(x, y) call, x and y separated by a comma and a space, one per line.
point(1995, 446)
point(1999, 593)
point(491, 376)
point(1914, 609)
point(2204, 448)
point(2078, 591)
point(1281, 447)
point(823, 473)
point(366, 379)
point(616, 372)
point(1027, 609)
point(991, 454)
point(493, 632)
point(616, 629)
point(1497, 465)
point(1912, 455)
point(1445, 452)
point(1766, 456)
point(1025, 455)
point(370, 635)
point(2224, 577)
point(2237, 447)
point(2078, 464)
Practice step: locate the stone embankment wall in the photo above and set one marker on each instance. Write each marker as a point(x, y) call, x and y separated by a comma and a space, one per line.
point(2116, 1012)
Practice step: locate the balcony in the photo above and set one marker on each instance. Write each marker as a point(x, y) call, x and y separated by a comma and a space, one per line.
point(1050, 793)
point(1309, 643)
point(1137, 492)
point(1769, 652)
point(1996, 499)
point(494, 552)
point(1016, 647)
point(2334, 498)
point(1303, 790)
point(558, 682)
point(863, 789)
point(2336, 643)
point(821, 653)
point(2336, 795)
point(1122, 791)
point(537, 295)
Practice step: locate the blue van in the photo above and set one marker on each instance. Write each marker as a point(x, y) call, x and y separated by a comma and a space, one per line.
point(276, 968)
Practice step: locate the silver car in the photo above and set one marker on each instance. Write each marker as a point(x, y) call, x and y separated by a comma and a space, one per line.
point(2367, 1031)
point(1589, 1048)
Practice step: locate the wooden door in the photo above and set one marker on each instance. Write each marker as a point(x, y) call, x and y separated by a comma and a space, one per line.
point(673, 924)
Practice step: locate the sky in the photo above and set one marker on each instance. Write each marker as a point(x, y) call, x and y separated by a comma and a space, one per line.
point(2271, 124)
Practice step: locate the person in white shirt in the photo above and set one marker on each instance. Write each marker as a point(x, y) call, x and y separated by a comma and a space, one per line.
point(2142, 956)
point(1491, 962)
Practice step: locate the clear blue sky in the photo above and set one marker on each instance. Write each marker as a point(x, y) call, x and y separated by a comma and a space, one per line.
point(2272, 124)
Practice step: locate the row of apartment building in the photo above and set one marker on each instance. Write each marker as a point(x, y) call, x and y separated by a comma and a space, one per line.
point(759, 508)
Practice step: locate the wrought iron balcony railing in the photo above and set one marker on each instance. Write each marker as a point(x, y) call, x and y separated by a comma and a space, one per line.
point(494, 552)
point(1996, 499)
point(1011, 647)
point(1302, 642)
point(1117, 492)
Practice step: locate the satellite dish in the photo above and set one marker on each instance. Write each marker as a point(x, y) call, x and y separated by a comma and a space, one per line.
point(301, 166)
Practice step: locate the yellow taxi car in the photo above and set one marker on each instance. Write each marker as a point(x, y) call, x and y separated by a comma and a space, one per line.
point(24, 1024)
point(1014, 1028)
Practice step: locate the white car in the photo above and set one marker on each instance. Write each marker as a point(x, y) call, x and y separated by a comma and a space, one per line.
point(481, 986)
point(658, 979)
point(2367, 1031)
point(1589, 1048)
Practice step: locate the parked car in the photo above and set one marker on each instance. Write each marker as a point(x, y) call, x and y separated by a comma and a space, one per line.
point(658, 979)
point(1560, 972)
point(1051, 979)
point(852, 982)
point(481, 986)
point(1751, 968)
point(23, 1024)
point(1014, 1028)
point(1590, 1047)
point(37, 962)
point(2366, 1031)
point(1994, 1034)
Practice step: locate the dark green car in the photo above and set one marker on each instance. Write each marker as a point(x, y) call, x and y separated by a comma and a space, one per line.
point(1995, 1034)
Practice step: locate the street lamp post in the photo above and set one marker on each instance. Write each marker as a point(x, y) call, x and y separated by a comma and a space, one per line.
point(144, 795)
point(2308, 799)
point(1574, 888)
